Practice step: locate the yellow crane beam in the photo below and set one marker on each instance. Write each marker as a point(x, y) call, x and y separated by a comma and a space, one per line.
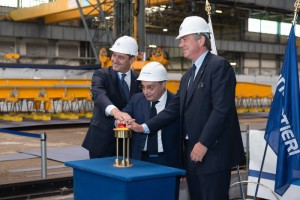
point(161, 2)
point(63, 10)
point(73, 14)
point(52, 8)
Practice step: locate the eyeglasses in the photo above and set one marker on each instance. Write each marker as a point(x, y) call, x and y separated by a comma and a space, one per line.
point(149, 87)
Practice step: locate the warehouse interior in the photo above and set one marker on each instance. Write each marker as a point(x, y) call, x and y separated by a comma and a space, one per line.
point(49, 50)
point(76, 35)
point(46, 35)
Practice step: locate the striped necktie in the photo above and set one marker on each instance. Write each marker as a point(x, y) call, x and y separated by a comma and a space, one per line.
point(125, 87)
point(192, 77)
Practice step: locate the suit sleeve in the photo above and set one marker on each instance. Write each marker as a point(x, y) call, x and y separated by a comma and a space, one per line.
point(167, 116)
point(99, 89)
point(223, 103)
point(129, 108)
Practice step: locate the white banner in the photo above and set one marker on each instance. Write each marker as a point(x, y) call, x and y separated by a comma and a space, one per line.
point(266, 188)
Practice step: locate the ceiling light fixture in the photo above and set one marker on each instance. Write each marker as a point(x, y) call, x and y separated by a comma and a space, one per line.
point(152, 46)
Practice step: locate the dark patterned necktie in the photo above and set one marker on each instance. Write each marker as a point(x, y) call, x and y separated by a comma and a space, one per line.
point(125, 87)
point(192, 77)
point(152, 137)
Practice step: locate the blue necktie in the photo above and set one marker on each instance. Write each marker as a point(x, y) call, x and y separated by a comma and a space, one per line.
point(152, 137)
point(125, 87)
point(192, 77)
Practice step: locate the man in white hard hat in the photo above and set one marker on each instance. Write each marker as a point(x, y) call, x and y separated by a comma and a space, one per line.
point(111, 90)
point(205, 104)
point(153, 77)
point(162, 146)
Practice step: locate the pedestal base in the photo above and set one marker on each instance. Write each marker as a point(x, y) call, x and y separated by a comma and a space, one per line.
point(99, 179)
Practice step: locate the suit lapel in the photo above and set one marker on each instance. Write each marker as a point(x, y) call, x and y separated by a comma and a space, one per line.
point(168, 98)
point(183, 89)
point(115, 79)
point(163, 130)
point(116, 83)
point(133, 83)
point(185, 83)
point(146, 112)
point(198, 77)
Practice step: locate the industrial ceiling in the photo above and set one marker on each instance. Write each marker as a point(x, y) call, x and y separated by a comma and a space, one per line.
point(165, 14)
point(233, 12)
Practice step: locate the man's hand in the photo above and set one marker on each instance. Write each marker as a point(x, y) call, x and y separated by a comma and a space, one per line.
point(121, 116)
point(122, 122)
point(135, 127)
point(198, 152)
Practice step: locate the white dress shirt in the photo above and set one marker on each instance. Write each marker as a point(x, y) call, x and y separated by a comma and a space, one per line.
point(159, 107)
point(127, 78)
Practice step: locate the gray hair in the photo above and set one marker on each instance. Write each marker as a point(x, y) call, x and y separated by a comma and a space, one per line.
point(207, 43)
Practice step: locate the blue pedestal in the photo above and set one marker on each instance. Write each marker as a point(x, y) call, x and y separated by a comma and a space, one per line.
point(99, 179)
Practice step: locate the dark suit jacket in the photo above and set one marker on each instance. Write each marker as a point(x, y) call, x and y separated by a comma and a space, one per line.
point(139, 109)
point(105, 90)
point(208, 114)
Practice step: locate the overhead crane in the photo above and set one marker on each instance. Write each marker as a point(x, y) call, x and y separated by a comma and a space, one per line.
point(64, 10)
point(58, 11)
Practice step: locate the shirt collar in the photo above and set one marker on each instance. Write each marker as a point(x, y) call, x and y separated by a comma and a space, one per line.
point(127, 77)
point(199, 60)
point(163, 98)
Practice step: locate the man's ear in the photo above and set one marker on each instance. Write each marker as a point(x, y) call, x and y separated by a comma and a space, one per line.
point(202, 40)
point(132, 59)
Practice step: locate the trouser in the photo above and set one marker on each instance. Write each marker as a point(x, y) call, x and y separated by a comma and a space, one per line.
point(212, 186)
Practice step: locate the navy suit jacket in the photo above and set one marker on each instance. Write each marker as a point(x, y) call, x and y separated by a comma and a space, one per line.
point(139, 109)
point(106, 91)
point(208, 114)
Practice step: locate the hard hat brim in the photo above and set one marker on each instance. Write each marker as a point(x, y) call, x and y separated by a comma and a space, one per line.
point(142, 78)
point(180, 36)
point(121, 51)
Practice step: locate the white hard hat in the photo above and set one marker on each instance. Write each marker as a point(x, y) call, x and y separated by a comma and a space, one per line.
point(193, 24)
point(126, 45)
point(153, 71)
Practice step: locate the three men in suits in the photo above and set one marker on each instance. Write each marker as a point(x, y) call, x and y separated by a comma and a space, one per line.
point(111, 89)
point(153, 77)
point(205, 105)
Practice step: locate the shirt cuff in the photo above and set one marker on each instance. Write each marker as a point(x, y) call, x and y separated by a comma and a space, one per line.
point(108, 109)
point(146, 128)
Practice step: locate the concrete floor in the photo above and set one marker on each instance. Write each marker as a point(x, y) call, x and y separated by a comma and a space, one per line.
point(56, 138)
